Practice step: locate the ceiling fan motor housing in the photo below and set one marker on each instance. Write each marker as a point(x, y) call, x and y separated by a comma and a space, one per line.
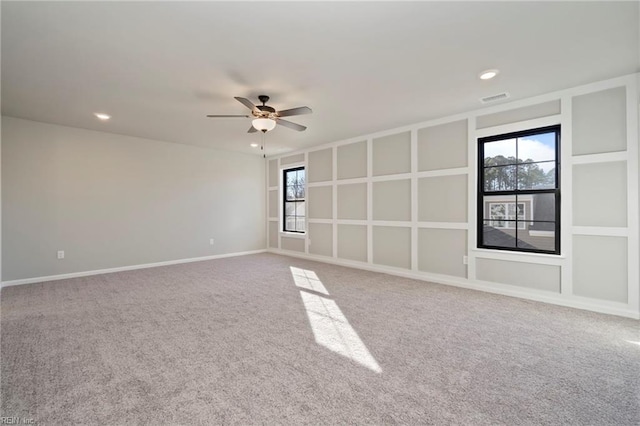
point(266, 108)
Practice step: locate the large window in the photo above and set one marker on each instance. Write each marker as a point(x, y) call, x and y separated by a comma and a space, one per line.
point(294, 200)
point(519, 191)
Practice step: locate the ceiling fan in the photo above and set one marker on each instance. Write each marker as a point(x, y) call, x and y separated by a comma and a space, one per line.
point(266, 117)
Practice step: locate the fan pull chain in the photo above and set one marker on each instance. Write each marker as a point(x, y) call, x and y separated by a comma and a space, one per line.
point(262, 147)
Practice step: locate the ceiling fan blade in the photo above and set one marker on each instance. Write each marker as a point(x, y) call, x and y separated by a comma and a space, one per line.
point(291, 125)
point(294, 111)
point(252, 130)
point(245, 102)
point(226, 116)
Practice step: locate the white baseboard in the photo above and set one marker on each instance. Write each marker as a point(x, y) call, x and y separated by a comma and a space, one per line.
point(125, 268)
point(600, 306)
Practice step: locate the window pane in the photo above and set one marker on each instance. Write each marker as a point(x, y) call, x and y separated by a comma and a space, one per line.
point(289, 209)
point(300, 222)
point(500, 152)
point(300, 208)
point(498, 214)
point(517, 211)
point(541, 147)
point(299, 189)
point(539, 236)
point(301, 177)
point(500, 178)
point(507, 211)
point(291, 178)
point(498, 237)
point(291, 193)
point(537, 175)
point(290, 223)
point(544, 207)
point(499, 211)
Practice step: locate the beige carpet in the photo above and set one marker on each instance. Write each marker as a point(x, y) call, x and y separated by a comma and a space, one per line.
point(249, 340)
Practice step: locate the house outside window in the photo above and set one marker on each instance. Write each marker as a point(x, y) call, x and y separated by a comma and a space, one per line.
point(294, 205)
point(519, 191)
point(498, 212)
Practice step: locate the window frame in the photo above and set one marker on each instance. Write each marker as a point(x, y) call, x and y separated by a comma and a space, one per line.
point(481, 193)
point(284, 201)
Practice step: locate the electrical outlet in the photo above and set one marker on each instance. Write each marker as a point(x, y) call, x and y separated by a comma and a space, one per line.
point(60, 254)
point(465, 260)
point(211, 241)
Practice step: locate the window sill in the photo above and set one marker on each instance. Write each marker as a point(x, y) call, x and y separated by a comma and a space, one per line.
point(518, 256)
point(299, 235)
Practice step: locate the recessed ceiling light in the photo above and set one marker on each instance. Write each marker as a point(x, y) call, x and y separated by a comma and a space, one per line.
point(254, 145)
point(488, 74)
point(102, 116)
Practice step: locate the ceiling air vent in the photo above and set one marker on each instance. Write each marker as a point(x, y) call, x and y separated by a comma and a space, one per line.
point(494, 98)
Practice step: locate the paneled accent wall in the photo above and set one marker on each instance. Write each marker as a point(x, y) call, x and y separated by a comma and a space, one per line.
point(601, 198)
point(403, 201)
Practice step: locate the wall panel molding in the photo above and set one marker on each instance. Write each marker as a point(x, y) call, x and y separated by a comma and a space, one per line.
point(561, 100)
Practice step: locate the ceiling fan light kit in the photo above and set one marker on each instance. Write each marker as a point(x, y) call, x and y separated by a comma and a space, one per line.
point(264, 124)
point(266, 117)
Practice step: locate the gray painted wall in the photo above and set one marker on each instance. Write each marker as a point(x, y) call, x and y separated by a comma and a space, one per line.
point(110, 201)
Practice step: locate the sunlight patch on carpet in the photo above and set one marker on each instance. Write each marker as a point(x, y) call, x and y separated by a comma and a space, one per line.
point(330, 327)
point(308, 280)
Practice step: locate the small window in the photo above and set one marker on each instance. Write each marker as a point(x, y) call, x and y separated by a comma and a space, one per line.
point(294, 208)
point(519, 191)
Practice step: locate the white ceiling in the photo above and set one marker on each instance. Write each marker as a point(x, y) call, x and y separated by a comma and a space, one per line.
point(159, 68)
